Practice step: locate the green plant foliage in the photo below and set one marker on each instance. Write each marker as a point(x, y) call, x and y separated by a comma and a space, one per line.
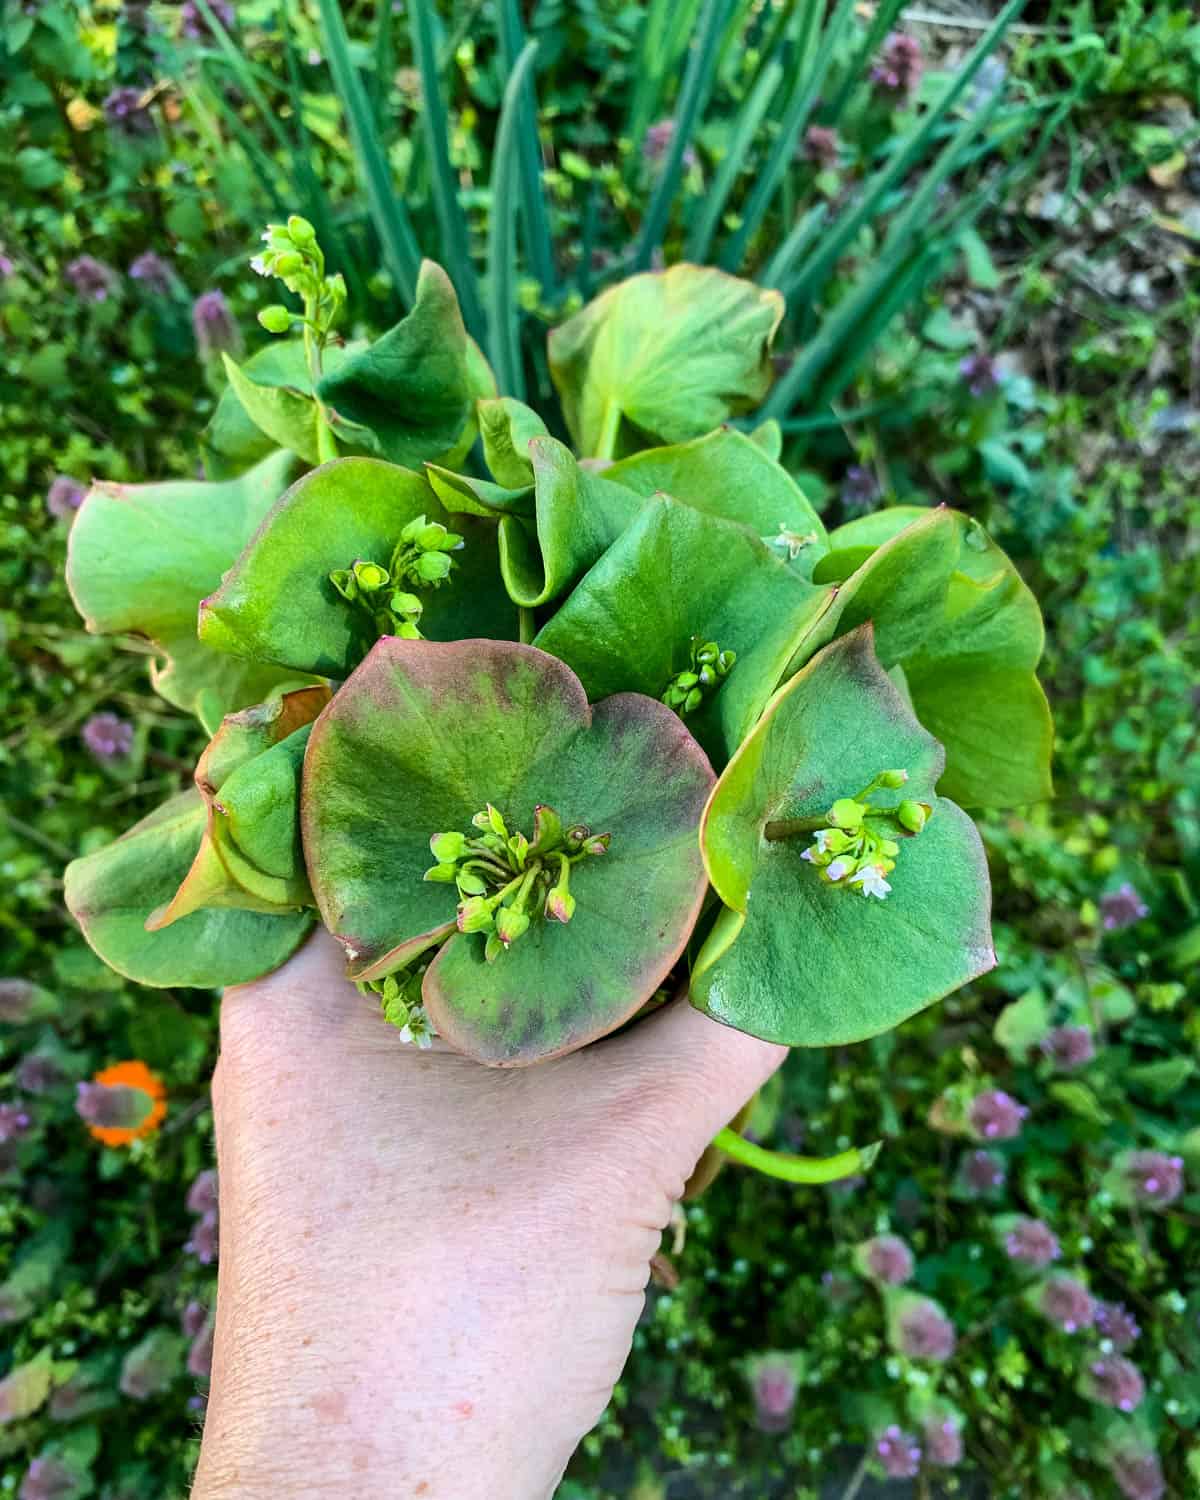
point(792, 958)
point(508, 727)
point(667, 354)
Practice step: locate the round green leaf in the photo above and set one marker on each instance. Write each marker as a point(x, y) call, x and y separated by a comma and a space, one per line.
point(422, 737)
point(663, 357)
point(277, 603)
point(725, 473)
point(112, 893)
point(794, 959)
point(673, 575)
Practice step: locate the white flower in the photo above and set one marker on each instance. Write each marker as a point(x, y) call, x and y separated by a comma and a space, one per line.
point(808, 853)
point(791, 542)
point(838, 868)
point(870, 880)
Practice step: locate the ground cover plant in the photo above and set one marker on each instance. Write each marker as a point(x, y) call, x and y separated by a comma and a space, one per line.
point(1045, 389)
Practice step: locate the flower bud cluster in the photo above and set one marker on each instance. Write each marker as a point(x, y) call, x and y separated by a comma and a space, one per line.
point(400, 998)
point(294, 257)
point(505, 880)
point(858, 843)
point(420, 559)
point(709, 668)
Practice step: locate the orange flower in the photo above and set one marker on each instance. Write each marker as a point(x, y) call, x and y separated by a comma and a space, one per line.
point(133, 1075)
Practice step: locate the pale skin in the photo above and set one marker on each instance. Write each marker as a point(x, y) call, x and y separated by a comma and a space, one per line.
point(430, 1271)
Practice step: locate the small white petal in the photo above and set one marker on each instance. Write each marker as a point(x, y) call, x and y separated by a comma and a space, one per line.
point(808, 853)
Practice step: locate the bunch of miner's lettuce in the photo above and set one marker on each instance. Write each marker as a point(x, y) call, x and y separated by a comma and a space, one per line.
point(538, 736)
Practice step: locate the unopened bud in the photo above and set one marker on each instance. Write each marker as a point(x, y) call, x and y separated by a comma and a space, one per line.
point(301, 230)
point(275, 319)
point(511, 924)
point(846, 813)
point(914, 815)
point(475, 915)
point(892, 779)
point(447, 847)
point(370, 577)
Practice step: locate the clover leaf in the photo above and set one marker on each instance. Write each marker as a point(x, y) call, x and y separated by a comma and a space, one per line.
point(422, 738)
point(802, 954)
point(141, 557)
point(278, 602)
point(663, 357)
point(113, 892)
point(676, 576)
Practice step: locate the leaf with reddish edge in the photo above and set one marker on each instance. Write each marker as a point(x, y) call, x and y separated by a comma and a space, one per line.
point(249, 783)
point(112, 892)
point(277, 603)
point(794, 959)
point(422, 737)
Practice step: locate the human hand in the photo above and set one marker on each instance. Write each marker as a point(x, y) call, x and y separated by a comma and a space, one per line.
point(431, 1271)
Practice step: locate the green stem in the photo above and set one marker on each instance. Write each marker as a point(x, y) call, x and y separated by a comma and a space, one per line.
point(791, 828)
point(810, 1169)
point(326, 443)
point(527, 622)
point(608, 431)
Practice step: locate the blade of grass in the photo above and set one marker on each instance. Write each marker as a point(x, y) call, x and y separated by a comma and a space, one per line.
point(749, 118)
point(452, 222)
point(388, 213)
point(658, 46)
point(783, 150)
point(847, 227)
point(803, 233)
point(697, 82)
point(539, 248)
point(504, 313)
point(385, 65)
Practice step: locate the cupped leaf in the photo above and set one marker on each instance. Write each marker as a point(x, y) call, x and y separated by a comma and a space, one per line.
point(250, 854)
point(141, 557)
point(111, 894)
point(277, 602)
point(551, 533)
point(663, 357)
point(794, 958)
point(422, 737)
point(505, 428)
point(952, 612)
point(415, 388)
point(288, 416)
point(676, 576)
point(725, 473)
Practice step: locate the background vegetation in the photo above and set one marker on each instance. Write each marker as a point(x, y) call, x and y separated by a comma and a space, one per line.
point(990, 260)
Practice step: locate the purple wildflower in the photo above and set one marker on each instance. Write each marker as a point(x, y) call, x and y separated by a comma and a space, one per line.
point(1117, 1324)
point(150, 1366)
point(982, 1172)
point(193, 23)
point(154, 273)
point(128, 114)
point(108, 737)
point(39, 1073)
point(64, 497)
point(1067, 1303)
point(91, 278)
point(923, 1331)
point(773, 1385)
point(886, 1259)
point(202, 1195)
point(111, 1106)
point(821, 146)
point(15, 1120)
point(48, 1479)
point(995, 1116)
point(1069, 1047)
point(1154, 1178)
point(943, 1442)
point(193, 1318)
point(1138, 1473)
point(979, 374)
point(204, 1239)
point(18, 1001)
point(1032, 1243)
point(200, 1354)
point(7, 265)
point(1114, 1381)
point(1122, 908)
point(899, 1452)
point(860, 489)
point(898, 69)
point(657, 143)
point(214, 326)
